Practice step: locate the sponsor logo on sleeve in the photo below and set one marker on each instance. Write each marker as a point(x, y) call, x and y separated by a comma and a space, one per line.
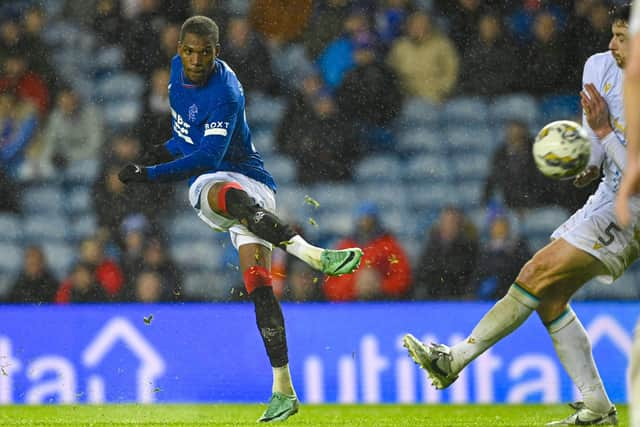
point(216, 128)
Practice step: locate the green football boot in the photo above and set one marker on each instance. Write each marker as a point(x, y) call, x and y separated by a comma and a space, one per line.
point(280, 408)
point(339, 262)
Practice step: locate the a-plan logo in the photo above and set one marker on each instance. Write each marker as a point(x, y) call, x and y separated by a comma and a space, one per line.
point(53, 375)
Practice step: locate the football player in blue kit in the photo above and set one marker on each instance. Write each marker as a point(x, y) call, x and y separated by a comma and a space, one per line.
point(230, 189)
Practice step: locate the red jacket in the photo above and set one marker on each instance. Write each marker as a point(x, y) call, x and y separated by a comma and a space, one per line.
point(107, 274)
point(383, 253)
point(29, 87)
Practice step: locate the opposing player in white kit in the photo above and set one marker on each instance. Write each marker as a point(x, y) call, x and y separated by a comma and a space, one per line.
point(630, 187)
point(589, 244)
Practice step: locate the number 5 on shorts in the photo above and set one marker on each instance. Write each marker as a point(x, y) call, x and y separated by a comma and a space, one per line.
point(608, 232)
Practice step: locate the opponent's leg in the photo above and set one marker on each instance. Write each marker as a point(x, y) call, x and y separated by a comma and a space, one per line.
point(443, 363)
point(574, 351)
point(228, 198)
point(255, 263)
point(555, 264)
point(571, 342)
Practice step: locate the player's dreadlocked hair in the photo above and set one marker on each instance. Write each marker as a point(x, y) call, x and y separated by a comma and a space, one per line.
point(201, 26)
point(620, 12)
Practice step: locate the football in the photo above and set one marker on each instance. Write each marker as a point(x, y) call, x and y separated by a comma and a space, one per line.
point(561, 149)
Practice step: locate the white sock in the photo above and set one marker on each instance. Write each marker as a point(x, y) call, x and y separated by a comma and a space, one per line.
point(574, 350)
point(282, 381)
point(503, 318)
point(305, 251)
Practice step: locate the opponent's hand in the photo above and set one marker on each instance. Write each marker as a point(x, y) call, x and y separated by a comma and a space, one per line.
point(133, 173)
point(587, 176)
point(596, 110)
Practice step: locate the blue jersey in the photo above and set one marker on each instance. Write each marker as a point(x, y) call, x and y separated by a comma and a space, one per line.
point(210, 130)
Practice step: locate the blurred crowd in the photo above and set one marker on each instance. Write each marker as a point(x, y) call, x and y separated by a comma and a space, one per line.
point(344, 69)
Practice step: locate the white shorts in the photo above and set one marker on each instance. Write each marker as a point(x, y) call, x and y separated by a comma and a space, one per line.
point(594, 229)
point(240, 235)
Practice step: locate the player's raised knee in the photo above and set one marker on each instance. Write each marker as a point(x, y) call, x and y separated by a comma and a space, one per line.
point(217, 196)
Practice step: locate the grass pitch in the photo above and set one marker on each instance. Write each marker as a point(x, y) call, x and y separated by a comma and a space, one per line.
point(309, 415)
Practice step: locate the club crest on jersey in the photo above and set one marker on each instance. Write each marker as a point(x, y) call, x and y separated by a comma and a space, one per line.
point(193, 112)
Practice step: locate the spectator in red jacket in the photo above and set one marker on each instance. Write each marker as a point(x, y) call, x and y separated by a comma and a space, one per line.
point(384, 271)
point(106, 272)
point(16, 77)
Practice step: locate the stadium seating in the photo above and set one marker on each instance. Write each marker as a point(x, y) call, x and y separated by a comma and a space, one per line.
point(264, 140)
point(185, 226)
point(79, 200)
point(385, 195)
point(120, 86)
point(83, 226)
point(469, 193)
point(418, 112)
point(60, 257)
point(560, 107)
point(470, 166)
point(45, 227)
point(426, 198)
point(83, 172)
point(381, 167)
point(514, 107)
point(290, 200)
point(122, 114)
point(429, 168)
point(414, 140)
point(282, 168)
point(626, 288)
point(264, 110)
point(211, 285)
point(441, 157)
point(471, 139)
point(338, 223)
point(336, 196)
point(198, 255)
point(45, 198)
point(108, 60)
point(544, 220)
point(10, 258)
point(10, 228)
point(468, 110)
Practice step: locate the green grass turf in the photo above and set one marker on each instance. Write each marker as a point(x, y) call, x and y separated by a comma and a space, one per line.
point(309, 415)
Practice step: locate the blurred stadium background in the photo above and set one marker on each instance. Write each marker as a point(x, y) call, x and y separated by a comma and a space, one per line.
point(98, 67)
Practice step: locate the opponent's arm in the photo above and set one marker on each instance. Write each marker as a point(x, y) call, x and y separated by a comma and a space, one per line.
point(597, 115)
point(208, 156)
point(592, 171)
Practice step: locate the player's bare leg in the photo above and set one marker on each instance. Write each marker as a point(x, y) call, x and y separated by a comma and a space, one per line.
point(255, 265)
point(228, 198)
point(545, 284)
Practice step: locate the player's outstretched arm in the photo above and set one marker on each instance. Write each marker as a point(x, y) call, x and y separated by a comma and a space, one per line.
point(133, 173)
